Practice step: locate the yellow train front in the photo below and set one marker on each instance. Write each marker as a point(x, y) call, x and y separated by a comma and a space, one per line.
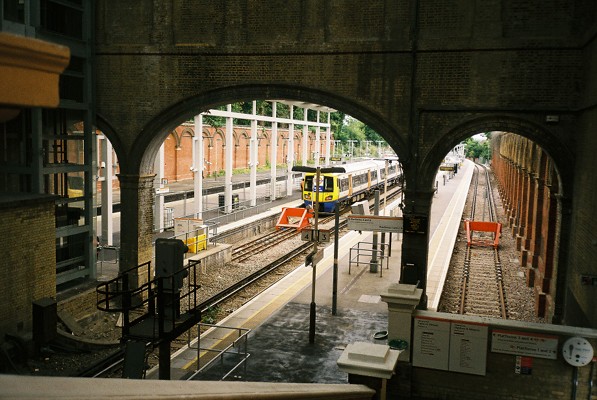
point(348, 182)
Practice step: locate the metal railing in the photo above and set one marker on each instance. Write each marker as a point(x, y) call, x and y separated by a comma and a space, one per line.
point(139, 296)
point(237, 348)
point(363, 250)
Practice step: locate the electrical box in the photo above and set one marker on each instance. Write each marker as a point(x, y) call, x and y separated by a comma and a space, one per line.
point(360, 208)
point(45, 320)
point(169, 262)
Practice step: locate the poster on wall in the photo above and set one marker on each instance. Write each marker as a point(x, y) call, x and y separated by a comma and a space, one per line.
point(524, 344)
point(468, 348)
point(524, 365)
point(431, 343)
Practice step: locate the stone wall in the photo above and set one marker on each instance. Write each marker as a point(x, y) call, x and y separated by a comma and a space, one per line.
point(28, 266)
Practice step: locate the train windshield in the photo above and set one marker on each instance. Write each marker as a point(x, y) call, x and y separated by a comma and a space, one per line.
point(326, 183)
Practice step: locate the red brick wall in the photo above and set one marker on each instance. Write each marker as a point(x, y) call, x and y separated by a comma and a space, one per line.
point(178, 153)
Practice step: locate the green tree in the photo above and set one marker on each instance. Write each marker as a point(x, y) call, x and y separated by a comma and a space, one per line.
point(477, 148)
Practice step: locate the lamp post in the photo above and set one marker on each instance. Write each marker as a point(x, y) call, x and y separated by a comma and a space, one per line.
point(310, 259)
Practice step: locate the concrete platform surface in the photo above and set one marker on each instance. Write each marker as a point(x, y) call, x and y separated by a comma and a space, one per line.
point(279, 319)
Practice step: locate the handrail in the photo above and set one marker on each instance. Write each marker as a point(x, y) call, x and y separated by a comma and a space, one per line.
point(243, 334)
point(382, 253)
point(153, 296)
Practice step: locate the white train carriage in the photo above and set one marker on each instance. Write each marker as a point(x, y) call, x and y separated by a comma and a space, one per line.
point(349, 183)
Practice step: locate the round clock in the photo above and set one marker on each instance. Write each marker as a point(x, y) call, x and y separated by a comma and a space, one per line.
point(577, 351)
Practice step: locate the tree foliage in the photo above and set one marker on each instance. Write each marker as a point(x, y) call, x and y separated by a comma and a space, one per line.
point(477, 148)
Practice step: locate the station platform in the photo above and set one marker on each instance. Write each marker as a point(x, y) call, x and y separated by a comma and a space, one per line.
point(279, 318)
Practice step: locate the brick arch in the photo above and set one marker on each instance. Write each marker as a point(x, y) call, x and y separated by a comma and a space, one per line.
point(522, 132)
point(243, 148)
point(147, 141)
point(187, 131)
point(562, 157)
point(108, 130)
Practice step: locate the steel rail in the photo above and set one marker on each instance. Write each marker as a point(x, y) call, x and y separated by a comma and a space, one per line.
point(466, 272)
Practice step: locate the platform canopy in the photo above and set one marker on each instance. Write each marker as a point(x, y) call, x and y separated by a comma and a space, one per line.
point(302, 104)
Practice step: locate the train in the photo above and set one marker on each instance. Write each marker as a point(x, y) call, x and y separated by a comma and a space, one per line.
point(349, 182)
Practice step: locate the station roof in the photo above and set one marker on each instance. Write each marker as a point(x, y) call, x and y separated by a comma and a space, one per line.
point(302, 104)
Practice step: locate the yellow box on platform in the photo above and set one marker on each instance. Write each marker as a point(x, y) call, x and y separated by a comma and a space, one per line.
point(196, 243)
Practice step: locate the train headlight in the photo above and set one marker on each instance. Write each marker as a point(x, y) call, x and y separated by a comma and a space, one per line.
point(328, 198)
point(307, 196)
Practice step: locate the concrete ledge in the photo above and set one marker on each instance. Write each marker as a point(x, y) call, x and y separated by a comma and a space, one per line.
point(368, 359)
point(30, 69)
point(27, 387)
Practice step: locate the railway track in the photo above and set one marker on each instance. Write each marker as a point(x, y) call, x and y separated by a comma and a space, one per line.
point(246, 250)
point(482, 289)
point(112, 366)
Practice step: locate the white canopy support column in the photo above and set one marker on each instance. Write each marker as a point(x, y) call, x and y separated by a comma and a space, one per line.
point(274, 152)
point(228, 167)
point(158, 211)
point(379, 148)
point(328, 144)
point(290, 154)
point(198, 166)
point(254, 157)
point(305, 137)
point(317, 154)
point(107, 190)
point(254, 143)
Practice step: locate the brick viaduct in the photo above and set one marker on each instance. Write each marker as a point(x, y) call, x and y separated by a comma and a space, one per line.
point(424, 74)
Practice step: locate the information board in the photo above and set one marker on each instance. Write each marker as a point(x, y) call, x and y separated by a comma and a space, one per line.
point(431, 343)
point(374, 223)
point(468, 348)
point(450, 345)
point(524, 344)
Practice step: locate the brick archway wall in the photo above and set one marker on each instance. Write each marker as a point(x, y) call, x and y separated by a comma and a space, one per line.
point(412, 72)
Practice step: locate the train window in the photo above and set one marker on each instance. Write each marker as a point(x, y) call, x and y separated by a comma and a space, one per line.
point(328, 184)
point(373, 175)
point(343, 184)
point(359, 179)
point(308, 183)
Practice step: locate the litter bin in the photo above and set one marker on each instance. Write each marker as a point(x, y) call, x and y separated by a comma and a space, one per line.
point(168, 217)
point(235, 201)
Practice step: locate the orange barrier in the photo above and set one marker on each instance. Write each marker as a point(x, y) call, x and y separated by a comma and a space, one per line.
point(483, 226)
point(294, 218)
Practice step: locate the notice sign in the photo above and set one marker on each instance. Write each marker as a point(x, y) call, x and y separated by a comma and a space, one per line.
point(468, 348)
point(450, 345)
point(524, 344)
point(431, 343)
point(415, 224)
point(374, 223)
point(524, 365)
